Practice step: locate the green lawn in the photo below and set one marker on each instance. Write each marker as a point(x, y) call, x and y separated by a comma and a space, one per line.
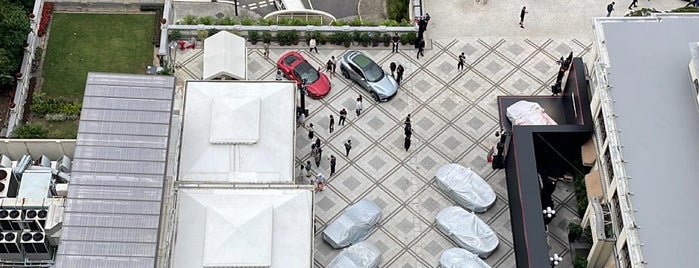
point(82, 43)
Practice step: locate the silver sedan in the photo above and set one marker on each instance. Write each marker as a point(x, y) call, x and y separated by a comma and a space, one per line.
point(369, 75)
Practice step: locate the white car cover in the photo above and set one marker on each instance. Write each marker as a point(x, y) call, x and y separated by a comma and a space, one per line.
point(354, 225)
point(467, 231)
point(528, 113)
point(465, 186)
point(460, 258)
point(361, 255)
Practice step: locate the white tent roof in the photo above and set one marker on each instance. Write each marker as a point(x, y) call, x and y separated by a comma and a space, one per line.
point(244, 228)
point(238, 131)
point(225, 54)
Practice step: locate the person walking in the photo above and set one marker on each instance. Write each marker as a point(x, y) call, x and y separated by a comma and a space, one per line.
point(399, 73)
point(427, 20)
point(393, 69)
point(407, 120)
point(358, 106)
point(395, 40)
point(348, 147)
point(310, 131)
point(313, 45)
point(521, 16)
point(321, 182)
point(266, 53)
point(329, 68)
point(610, 8)
point(462, 60)
point(317, 143)
point(334, 64)
point(331, 126)
point(343, 117)
point(634, 3)
point(308, 169)
point(301, 120)
point(408, 131)
point(333, 162)
point(421, 48)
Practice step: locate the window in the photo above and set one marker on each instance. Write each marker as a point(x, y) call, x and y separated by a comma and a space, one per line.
point(608, 167)
point(602, 128)
point(623, 256)
point(618, 220)
point(305, 71)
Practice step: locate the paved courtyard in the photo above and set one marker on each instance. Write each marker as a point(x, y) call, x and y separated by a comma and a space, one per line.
point(454, 115)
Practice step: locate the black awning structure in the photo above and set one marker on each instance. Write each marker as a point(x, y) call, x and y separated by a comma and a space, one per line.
point(533, 150)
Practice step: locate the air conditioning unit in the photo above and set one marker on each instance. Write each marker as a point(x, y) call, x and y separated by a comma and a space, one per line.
point(5, 162)
point(10, 246)
point(35, 219)
point(43, 161)
point(35, 245)
point(8, 183)
point(63, 164)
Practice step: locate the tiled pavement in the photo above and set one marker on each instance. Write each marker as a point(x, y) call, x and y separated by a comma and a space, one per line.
point(454, 115)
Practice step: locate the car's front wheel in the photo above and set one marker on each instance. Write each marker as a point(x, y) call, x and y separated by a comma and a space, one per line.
point(345, 74)
point(375, 96)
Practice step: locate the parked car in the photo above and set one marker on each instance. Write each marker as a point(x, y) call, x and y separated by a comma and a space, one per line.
point(466, 188)
point(467, 231)
point(369, 75)
point(460, 258)
point(355, 224)
point(295, 67)
point(361, 255)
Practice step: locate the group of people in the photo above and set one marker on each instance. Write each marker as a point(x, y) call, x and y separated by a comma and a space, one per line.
point(397, 72)
point(422, 28)
point(556, 88)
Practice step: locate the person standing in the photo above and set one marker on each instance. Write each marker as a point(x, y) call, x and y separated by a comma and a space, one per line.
point(301, 120)
point(462, 60)
point(334, 64)
point(310, 131)
point(406, 143)
point(321, 182)
point(393, 69)
point(407, 120)
point(308, 169)
point(395, 40)
point(313, 45)
point(399, 72)
point(333, 161)
point(329, 68)
point(421, 48)
point(331, 126)
point(408, 131)
point(610, 8)
point(634, 3)
point(521, 16)
point(348, 147)
point(427, 20)
point(266, 46)
point(358, 106)
point(343, 117)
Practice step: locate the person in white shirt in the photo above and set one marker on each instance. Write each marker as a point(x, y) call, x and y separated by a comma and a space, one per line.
point(313, 45)
point(359, 106)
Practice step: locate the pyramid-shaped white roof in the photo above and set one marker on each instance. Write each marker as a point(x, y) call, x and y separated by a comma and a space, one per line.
point(225, 54)
point(244, 228)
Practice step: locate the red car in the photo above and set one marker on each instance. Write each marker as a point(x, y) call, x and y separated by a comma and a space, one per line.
point(296, 68)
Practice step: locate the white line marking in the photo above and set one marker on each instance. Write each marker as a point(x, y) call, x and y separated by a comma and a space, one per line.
point(263, 5)
point(261, 2)
point(253, 8)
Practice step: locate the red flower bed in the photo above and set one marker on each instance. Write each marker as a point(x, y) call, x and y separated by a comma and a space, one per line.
point(46, 13)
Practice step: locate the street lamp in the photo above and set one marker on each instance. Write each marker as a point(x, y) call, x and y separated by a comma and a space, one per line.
point(549, 213)
point(304, 91)
point(555, 260)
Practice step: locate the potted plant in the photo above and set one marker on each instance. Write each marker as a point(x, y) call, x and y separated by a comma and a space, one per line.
point(266, 37)
point(322, 39)
point(580, 262)
point(364, 39)
point(308, 36)
point(375, 38)
point(346, 39)
point(281, 38)
point(574, 231)
point(294, 37)
point(386, 40)
point(253, 36)
point(357, 36)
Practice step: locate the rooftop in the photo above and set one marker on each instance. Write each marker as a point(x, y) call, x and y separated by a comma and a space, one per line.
point(656, 112)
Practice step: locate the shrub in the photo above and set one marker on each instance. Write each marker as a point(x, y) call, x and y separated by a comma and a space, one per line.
point(398, 9)
point(685, 10)
point(46, 13)
point(266, 37)
point(202, 34)
point(175, 35)
point(357, 36)
point(30, 131)
point(190, 20)
point(386, 39)
point(643, 12)
point(574, 231)
point(580, 262)
point(212, 31)
point(208, 20)
point(254, 36)
point(227, 21)
point(248, 21)
point(60, 117)
point(580, 193)
point(356, 22)
point(364, 39)
point(43, 105)
point(408, 38)
point(293, 37)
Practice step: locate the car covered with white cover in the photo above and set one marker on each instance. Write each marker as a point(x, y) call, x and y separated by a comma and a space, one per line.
point(355, 224)
point(466, 188)
point(460, 258)
point(528, 113)
point(361, 255)
point(467, 231)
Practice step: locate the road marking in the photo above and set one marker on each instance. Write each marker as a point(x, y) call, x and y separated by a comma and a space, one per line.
point(253, 8)
point(261, 2)
point(263, 5)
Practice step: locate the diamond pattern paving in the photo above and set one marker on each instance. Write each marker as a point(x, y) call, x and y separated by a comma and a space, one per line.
point(453, 114)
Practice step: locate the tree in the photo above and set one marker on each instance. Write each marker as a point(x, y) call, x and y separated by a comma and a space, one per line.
point(14, 26)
